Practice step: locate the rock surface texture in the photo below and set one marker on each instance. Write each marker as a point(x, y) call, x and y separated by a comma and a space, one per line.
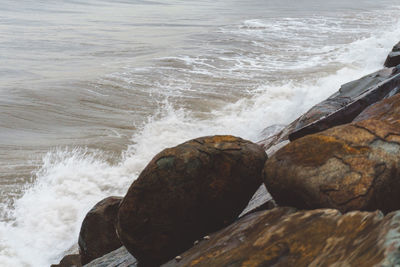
point(186, 192)
point(393, 58)
point(340, 108)
point(117, 258)
point(349, 167)
point(284, 237)
point(347, 103)
point(97, 236)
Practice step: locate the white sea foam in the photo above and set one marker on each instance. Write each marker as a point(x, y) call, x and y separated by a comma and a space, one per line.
point(45, 222)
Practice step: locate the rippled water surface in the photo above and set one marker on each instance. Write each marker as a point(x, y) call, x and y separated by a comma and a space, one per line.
point(91, 90)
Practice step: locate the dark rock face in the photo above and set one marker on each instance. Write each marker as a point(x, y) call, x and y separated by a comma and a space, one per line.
point(97, 236)
point(117, 258)
point(284, 237)
point(393, 58)
point(387, 110)
point(69, 261)
point(186, 192)
point(349, 167)
point(340, 108)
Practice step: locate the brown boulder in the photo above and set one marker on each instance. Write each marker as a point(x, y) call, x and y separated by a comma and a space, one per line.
point(349, 167)
point(98, 236)
point(186, 192)
point(387, 109)
point(284, 237)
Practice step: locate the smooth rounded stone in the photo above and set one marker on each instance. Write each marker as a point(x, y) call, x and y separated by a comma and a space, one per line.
point(73, 260)
point(286, 237)
point(349, 167)
point(186, 192)
point(387, 109)
point(98, 235)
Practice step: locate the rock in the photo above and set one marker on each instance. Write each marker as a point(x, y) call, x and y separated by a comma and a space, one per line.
point(69, 261)
point(273, 140)
point(284, 237)
point(393, 58)
point(387, 109)
point(97, 236)
point(186, 192)
point(396, 48)
point(349, 167)
point(117, 258)
point(261, 200)
point(340, 108)
point(348, 103)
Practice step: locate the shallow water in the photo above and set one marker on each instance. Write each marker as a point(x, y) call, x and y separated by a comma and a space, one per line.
point(92, 90)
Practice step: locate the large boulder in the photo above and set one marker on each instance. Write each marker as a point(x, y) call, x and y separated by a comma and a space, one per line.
point(284, 237)
point(98, 236)
point(186, 192)
point(349, 167)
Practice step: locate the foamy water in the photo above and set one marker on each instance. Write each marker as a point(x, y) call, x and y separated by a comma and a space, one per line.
point(233, 76)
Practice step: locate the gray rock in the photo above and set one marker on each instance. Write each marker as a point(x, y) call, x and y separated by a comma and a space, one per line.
point(117, 258)
point(261, 200)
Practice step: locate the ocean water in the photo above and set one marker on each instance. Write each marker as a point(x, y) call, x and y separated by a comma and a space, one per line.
point(91, 90)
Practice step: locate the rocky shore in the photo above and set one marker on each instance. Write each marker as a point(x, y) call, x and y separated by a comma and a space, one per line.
point(334, 178)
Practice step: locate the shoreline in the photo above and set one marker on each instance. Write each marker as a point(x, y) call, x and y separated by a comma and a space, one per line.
point(359, 109)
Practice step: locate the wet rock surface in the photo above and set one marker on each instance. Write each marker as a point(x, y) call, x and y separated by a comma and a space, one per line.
point(348, 103)
point(117, 258)
point(393, 58)
point(349, 167)
point(186, 192)
point(286, 237)
point(97, 236)
point(340, 108)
